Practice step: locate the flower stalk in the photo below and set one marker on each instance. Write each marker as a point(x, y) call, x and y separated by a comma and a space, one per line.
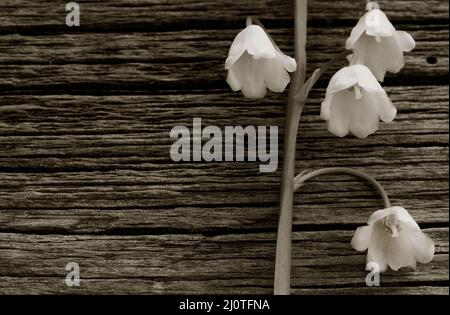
point(354, 102)
point(301, 178)
point(249, 21)
point(294, 109)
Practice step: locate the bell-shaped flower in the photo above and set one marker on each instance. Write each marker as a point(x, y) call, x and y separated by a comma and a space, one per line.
point(376, 43)
point(354, 102)
point(254, 62)
point(393, 239)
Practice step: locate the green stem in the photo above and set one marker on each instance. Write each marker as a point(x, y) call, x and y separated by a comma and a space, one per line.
point(249, 21)
point(303, 93)
point(303, 177)
point(294, 109)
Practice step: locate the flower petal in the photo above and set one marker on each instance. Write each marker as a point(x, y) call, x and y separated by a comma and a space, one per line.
point(325, 108)
point(366, 79)
point(399, 251)
point(238, 47)
point(275, 75)
point(288, 63)
point(343, 79)
point(233, 78)
point(361, 238)
point(392, 54)
point(404, 216)
point(356, 33)
point(377, 24)
point(379, 57)
point(386, 110)
point(367, 52)
point(364, 117)
point(423, 246)
point(405, 41)
point(255, 41)
point(246, 75)
point(345, 112)
point(410, 246)
point(346, 78)
point(340, 114)
point(400, 213)
point(378, 215)
point(255, 89)
point(378, 242)
point(259, 44)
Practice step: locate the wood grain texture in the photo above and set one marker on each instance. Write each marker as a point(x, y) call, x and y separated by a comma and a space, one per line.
point(120, 14)
point(198, 264)
point(111, 158)
point(179, 60)
point(86, 176)
point(211, 44)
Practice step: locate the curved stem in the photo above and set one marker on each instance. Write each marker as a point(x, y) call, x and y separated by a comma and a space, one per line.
point(303, 177)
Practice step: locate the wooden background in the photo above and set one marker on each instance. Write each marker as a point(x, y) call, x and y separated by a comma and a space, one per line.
point(86, 176)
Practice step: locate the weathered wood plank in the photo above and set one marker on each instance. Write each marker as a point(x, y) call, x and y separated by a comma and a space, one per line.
point(72, 164)
point(417, 290)
point(161, 47)
point(422, 110)
point(197, 264)
point(121, 14)
point(184, 60)
point(139, 77)
point(211, 219)
point(320, 259)
point(40, 285)
point(81, 154)
point(231, 203)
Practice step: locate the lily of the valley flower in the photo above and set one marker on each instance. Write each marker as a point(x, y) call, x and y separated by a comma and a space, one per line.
point(376, 43)
point(254, 63)
point(393, 239)
point(354, 102)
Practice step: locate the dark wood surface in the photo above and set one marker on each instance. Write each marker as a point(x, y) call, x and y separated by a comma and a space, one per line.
point(86, 175)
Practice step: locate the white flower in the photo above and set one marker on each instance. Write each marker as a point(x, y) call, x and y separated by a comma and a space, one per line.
point(393, 238)
point(376, 43)
point(254, 63)
point(355, 102)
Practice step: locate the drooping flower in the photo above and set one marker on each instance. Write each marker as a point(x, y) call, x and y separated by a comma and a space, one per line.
point(254, 62)
point(376, 43)
point(393, 239)
point(354, 102)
